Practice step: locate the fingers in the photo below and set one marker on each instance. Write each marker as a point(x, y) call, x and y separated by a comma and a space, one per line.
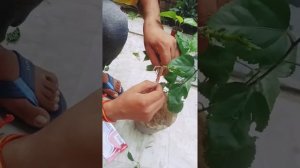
point(174, 49)
point(144, 87)
point(164, 54)
point(152, 55)
point(153, 96)
point(111, 93)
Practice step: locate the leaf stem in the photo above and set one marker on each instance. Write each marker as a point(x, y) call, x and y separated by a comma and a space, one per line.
point(188, 78)
point(294, 63)
point(294, 44)
point(252, 77)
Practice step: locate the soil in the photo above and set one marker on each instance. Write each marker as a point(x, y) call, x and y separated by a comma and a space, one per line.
point(202, 135)
point(161, 120)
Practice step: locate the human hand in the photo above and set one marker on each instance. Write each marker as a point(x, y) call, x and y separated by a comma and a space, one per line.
point(139, 103)
point(160, 46)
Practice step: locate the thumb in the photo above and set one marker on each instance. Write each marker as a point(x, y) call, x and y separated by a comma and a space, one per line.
point(145, 87)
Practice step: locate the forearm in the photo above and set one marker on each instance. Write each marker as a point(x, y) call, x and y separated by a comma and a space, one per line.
point(150, 10)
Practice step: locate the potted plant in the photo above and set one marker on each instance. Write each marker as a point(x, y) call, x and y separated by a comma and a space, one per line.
point(179, 23)
point(254, 34)
point(182, 71)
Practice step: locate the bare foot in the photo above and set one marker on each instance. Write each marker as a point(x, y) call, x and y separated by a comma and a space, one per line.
point(45, 89)
point(116, 84)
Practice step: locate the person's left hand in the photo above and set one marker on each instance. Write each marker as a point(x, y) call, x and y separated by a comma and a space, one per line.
point(160, 46)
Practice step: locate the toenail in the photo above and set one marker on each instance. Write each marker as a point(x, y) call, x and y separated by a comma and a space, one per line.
point(115, 95)
point(41, 120)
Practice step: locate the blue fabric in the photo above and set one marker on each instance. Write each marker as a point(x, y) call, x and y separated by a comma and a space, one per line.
point(115, 31)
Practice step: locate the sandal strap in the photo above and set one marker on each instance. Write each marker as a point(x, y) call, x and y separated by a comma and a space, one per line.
point(23, 87)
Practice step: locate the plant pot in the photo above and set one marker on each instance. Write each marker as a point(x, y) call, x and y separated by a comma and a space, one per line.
point(161, 120)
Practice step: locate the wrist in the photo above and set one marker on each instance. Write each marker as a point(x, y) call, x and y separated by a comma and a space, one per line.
point(112, 111)
point(152, 22)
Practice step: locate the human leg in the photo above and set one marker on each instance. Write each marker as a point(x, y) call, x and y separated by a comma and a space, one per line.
point(115, 31)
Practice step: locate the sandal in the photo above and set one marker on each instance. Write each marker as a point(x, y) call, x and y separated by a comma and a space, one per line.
point(24, 87)
point(109, 85)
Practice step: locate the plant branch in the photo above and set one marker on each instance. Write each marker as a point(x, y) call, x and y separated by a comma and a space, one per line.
point(294, 63)
point(252, 77)
point(294, 44)
point(188, 78)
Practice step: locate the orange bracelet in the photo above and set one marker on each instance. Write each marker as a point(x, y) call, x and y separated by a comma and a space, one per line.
point(104, 116)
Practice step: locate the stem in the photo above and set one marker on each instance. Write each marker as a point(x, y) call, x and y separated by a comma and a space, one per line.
point(188, 79)
point(294, 63)
point(252, 77)
point(294, 44)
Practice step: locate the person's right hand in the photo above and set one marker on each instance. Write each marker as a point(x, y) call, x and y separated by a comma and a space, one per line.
point(138, 103)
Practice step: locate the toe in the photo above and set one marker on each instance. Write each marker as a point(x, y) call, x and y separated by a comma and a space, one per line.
point(49, 104)
point(53, 87)
point(118, 86)
point(111, 93)
point(32, 115)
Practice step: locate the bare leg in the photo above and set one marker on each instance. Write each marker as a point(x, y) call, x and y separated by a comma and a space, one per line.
point(72, 140)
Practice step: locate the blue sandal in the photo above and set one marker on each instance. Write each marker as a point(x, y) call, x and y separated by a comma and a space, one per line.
point(110, 85)
point(23, 87)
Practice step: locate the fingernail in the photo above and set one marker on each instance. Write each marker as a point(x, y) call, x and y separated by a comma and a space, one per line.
point(41, 120)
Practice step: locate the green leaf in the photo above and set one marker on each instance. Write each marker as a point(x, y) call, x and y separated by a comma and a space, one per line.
point(169, 14)
point(175, 103)
point(106, 68)
point(207, 88)
point(241, 158)
point(263, 22)
point(177, 93)
point(136, 54)
point(258, 106)
point(190, 21)
point(183, 43)
point(129, 156)
point(217, 64)
point(287, 68)
point(182, 66)
point(13, 36)
point(270, 88)
point(150, 67)
point(146, 56)
point(132, 15)
point(179, 19)
point(171, 77)
point(228, 127)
